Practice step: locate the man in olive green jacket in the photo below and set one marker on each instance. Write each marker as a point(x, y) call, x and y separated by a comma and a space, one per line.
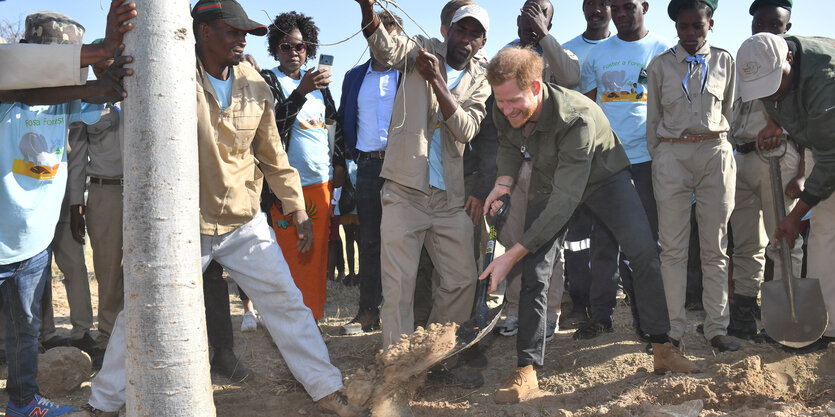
point(577, 159)
point(793, 75)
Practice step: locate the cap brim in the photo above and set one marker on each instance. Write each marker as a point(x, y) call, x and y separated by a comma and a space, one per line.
point(247, 25)
point(761, 87)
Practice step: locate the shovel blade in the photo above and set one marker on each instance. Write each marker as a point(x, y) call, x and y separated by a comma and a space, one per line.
point(810, 312)
point(469, 333)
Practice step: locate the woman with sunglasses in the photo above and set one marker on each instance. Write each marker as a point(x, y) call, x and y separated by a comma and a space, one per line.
point(302, 105)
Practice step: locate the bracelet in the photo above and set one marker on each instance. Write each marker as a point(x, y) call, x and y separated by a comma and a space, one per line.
point(503, 185)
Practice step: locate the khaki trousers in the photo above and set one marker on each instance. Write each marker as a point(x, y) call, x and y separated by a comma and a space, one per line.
point(69, 256)
point(512, 230)
point(680, 170)
point(104, 223)
point(820, 250)
point(412, 220)
point(753, 221)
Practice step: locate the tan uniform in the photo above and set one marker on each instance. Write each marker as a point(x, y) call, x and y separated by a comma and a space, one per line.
point(753, 218)
point(29, 65)
point(820, 248)
point(691, 156)
point(96, 153)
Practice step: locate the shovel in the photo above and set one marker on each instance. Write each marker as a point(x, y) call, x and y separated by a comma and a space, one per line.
point(484, 318)
point(793, 311)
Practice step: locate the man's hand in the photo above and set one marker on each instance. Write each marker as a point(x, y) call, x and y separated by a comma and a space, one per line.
point(492, 204)
point(769, 136)
point(109, 87)
point(304, 228)
point(501, 266)
point(428, 66)
point(795, 186)
point(120, 12)
point(314, 80)
point(789, 227)
point(475, 209)
point(537, 22)
point(77, 222)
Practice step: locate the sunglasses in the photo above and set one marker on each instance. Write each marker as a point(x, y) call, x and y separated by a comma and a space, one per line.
point(287, 48)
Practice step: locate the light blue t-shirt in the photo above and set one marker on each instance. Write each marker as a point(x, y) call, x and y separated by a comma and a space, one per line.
point(581, 46)
point(309, 150)
point(33, 166)
point(436, 156)
point(223, 90)
point(617, 69)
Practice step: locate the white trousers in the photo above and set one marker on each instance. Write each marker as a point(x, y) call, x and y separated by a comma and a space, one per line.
point(254, 260)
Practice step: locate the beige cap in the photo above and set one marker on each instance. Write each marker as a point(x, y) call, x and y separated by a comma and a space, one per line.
point(759, 65)
point(476, 12)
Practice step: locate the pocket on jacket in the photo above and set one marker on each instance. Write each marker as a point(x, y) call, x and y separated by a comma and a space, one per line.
point(245, 128)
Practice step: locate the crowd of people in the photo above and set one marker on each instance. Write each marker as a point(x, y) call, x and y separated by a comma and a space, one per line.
point(630, 162)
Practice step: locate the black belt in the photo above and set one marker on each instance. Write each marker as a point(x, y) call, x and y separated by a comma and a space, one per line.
point(372, 155)
point(746, 147)
point(107, 181)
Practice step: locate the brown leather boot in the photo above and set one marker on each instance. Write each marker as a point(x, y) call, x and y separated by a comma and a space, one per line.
point(522, 383)
point(667, 357)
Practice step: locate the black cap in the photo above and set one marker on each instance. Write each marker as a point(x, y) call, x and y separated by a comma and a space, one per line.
point(230, 12)
point(672, 8)
point(786, 4)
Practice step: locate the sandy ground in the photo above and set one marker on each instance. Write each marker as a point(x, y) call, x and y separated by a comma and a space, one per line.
point(607, 376)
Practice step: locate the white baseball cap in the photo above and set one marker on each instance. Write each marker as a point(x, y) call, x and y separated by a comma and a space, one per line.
point(476, 12)
point(759, 65)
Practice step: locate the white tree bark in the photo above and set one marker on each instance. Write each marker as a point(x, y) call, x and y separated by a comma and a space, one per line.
point(167, 354)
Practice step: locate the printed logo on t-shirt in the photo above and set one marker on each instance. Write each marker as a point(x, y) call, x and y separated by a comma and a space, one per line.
point(618, 86)
point(40, 160)
point(313, 123)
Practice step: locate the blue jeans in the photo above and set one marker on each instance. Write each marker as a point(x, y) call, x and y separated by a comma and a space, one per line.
point(22, 284)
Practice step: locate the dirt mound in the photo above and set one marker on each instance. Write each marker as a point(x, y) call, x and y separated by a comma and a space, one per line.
point(399, 371)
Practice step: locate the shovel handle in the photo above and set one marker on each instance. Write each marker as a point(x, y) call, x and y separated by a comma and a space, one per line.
point(779, 214)
point(495, 221)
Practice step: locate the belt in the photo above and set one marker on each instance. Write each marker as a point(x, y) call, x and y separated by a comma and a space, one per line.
point(746, 147)
point(372, 155)
point(695, 138)
point(107, 181)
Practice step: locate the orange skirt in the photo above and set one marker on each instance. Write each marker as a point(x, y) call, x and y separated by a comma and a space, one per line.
point(308, 269)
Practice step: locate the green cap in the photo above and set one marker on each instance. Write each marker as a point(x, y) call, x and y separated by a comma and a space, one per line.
point(672, 9)
point(52, 28)
point(786, 4)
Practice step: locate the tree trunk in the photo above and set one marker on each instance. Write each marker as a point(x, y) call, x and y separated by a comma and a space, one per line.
point(167, 354)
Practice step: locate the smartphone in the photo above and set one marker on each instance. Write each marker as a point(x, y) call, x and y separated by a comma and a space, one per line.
point(325, 62)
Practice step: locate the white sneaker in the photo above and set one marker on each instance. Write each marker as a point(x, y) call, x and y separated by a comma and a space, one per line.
point(509, 327)
point(249, 322)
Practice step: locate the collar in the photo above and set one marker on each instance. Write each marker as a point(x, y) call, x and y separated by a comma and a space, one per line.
point(369, 70)
point(548, 118)
point(681, 53)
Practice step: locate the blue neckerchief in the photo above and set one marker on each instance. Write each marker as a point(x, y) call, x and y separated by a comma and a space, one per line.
point(693, 60)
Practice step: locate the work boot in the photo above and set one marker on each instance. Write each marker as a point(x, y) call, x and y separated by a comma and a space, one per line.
point(592, 329)
point(724, 343)
point(225, 363)
point(338, 404)
point(743, 322)
point(521, 384)
point(93, 412)
point(666, 357)
point(574, 319)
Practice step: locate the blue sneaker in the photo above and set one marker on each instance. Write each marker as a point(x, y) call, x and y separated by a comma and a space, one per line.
point(38, 407)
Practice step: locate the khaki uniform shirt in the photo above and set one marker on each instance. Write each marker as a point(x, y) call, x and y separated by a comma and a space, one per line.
point(561, 65)
point(34, 66)
point(573, 150)
point(228, 145)
point(749, 118)
point(95, 151)
point(416, 113)
point(669, 114)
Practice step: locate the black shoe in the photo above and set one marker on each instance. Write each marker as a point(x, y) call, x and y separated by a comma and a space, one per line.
point(55, 341)
point(370, 321)
point(648, 348)
point(700, 329)
point(743, 321)
point(225, 363)
point(88, 345)
point(724, 343)
point(642, 335)
point(574, 319)
point(763, 337)
point(592, 329)
point(462, 376)
point(474, 357)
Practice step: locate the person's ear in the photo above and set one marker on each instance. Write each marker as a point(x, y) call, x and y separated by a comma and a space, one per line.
point(645, 5)
point(536, 87)
point(444, 31)
point(788, 26)
point(710, 24)
point(790, 58)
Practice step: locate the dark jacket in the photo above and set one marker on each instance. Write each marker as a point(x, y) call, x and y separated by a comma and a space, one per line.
point(346, 117)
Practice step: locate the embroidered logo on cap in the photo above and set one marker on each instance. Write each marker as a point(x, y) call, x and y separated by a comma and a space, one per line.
point(751, 68)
